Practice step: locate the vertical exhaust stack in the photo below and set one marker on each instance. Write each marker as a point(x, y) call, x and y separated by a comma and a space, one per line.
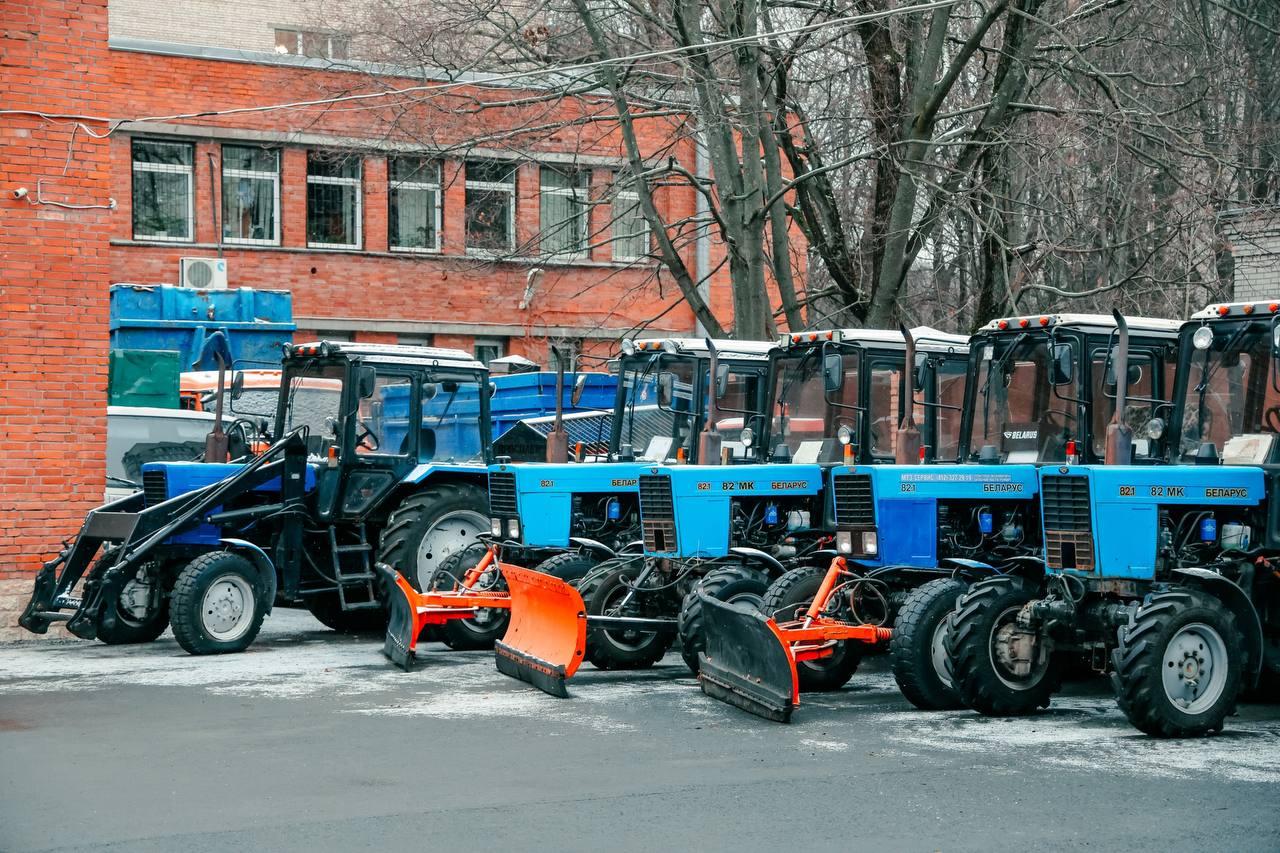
point(558, 439)
point(215, 443)
point(710, 440)
point(1119, 435)
point(909, 441)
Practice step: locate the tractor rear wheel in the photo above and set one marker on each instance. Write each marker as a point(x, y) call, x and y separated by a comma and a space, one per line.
point(980, 637)
point(217, 604)
point(733, 584)
point(489, 625)
point(429, 526)
point(621, 648)
point(1178, 664)
point(141, 617)
point(919, 659)
point(328, 611)
point(786, 601)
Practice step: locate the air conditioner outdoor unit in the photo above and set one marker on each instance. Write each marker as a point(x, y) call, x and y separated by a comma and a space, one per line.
point(204, 273)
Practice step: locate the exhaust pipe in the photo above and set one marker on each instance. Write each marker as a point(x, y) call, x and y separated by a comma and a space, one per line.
point(558, 439)
point(909, 440)
point(710, 442)
point(1119, 435)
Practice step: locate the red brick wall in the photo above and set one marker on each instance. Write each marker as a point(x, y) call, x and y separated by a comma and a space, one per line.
point(54, 272)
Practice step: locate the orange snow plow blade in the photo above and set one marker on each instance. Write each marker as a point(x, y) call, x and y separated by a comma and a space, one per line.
point(547, 637)
point(750, 659)
point(409, 611)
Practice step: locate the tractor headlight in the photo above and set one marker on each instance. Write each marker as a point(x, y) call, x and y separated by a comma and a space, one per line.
point(495, 527)
point(670, 346)
point(513, 528)
point(870, 543)
point(747, 437)
point(1155, 428)
point(844, 541)
point(845, 434)
point(1203, 338)
point(628, 347)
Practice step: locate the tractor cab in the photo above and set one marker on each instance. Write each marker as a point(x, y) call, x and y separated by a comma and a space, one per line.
point(1044, 388)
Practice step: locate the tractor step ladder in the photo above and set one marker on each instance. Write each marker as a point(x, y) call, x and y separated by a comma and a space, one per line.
point(363, 575)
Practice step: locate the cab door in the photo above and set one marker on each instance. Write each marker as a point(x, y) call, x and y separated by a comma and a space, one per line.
point(383, 436)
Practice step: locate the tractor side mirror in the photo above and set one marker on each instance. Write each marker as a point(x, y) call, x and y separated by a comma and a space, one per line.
point(579, 385)
point(722, 380)
point(1063, 372)
point(832, 372)
point(1135, 371)
point(366, 382)
point(431, 389)
point(666, 390)
point(237, 384)
point(1275, 338)
point(920, 373)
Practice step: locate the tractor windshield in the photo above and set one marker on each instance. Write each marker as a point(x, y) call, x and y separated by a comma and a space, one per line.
point(657, 405)
point(450, 419)
point(1018, 408)
point(803, 419)
point(1229, 397)
point(312, 396)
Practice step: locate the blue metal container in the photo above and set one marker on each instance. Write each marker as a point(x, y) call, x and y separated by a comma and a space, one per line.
point(253, 324)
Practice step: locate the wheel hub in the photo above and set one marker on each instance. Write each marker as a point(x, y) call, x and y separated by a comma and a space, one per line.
point(227, 607)
point(1195, 668)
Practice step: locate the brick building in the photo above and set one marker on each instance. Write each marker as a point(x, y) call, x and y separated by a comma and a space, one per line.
point(1254, 234)
point(388, 221)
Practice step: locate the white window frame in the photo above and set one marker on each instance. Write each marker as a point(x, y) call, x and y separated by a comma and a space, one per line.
point(358, 183)
point(298, 37)
point(275, 199)
point(420, 185)
point(491, 186)
point(626, 199)
point(582, 195)
point(171, 168)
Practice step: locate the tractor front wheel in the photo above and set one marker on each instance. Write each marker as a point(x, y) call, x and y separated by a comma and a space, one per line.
point(570, 567)
point(603, 593)
point(997, 669)
point(217, 604)
point(919, 659)
point(1178, 665)
point(142, 612)
point(489, 624)
point(732, 584)
point(786, 601)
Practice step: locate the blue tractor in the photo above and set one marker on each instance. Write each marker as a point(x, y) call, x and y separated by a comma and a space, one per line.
point(733, 527)
point(378, 452)
point(912, 537)
point(1165, 576)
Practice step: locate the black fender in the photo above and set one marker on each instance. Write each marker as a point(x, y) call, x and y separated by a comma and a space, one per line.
point(636, 547)
point(1238, 602)
point(774, 566)
point(259, 558)
point(593, 546)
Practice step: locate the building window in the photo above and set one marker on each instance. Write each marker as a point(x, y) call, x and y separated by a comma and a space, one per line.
point(414, 198)
point(491, 206)
point(250, 195)
point(487, 349)
point(630, 228)
point(163, 204)
point(566, 212)
point(333, 200)
point(311, 43)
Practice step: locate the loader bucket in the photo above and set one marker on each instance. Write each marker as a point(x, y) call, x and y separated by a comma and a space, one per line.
point(747, 662)
point(402, 628)
point(547, 636)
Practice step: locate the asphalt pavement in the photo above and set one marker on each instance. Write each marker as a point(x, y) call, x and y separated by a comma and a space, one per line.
point(313, 742)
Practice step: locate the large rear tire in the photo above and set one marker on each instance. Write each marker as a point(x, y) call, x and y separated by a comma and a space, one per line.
point(1178, 665)
point(431, 525)
point(977, 642)
point(734, 584)
point(786, 600)
point(217, 605)
point(615, 648)
point(917, 652)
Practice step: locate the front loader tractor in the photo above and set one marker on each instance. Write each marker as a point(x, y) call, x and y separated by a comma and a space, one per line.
point(1167, 577)
point(569, 519)
point(386, 464)
point(755, 506)
point(913, 537)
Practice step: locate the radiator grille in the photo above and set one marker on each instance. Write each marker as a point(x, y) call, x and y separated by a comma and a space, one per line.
point(155, 487)
point(854, 503)
point(502, 496)
point(657, 513)
point(1068, 523)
